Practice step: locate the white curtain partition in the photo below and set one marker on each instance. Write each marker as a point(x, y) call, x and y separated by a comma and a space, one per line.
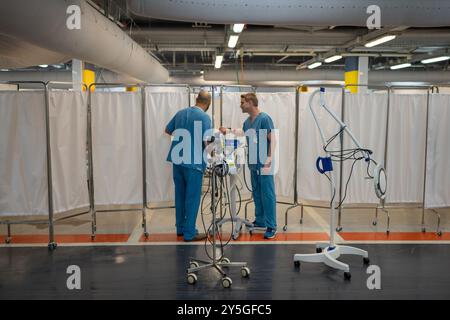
point(23, 168)
point(117, 148)
point(160, 108)
point(406, 148)
point(438, 159)
point(311, 184)
point(68, 144)
point(281, 108)
point(365, 115)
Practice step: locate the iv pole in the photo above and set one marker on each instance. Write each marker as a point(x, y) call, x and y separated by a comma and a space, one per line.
point(328, 253)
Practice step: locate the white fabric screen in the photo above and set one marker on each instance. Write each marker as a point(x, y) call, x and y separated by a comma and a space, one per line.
point(160, 108)
point(311, 184)
point(117, 148)
point(406, 148)
point(280, 107)
point(365, 115)
point(23, 167)
point(438, 159)
point(68, 145)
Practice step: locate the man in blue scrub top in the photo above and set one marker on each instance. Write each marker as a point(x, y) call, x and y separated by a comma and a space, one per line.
point(188, 128)
point(261, 142)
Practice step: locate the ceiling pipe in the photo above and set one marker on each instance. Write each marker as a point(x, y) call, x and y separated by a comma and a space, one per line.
point(252, 76)
point(99, 41)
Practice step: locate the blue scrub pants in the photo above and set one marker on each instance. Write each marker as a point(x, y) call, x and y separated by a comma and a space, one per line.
point(265, 200)
point(188, 189)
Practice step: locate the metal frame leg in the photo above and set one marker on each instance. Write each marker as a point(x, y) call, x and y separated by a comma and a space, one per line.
point(295, 205)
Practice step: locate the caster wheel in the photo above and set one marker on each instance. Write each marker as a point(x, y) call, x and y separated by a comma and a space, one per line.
point(52, 246)
point(225, 260)
point(193, 264)
point(388, 231)
point(339, 229)
point(250, 232)
point(192, 278)
point(424, 230)
point(439, 233)
point(285, 228)
point(301, 221)
point(146, 234)
point(347, 275)
point(226, 282)
point(374, 223)
point(297, 264)
point(245, 272)
point(8, 240)
point(366, 261)
point(318, 250)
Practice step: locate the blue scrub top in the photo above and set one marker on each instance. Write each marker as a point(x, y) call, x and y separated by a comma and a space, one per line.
point(186, 119)
point(261, 122)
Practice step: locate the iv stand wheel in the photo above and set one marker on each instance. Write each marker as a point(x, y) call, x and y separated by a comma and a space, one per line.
point(193, 264)
point(339, 229)
point(245, 272)
point(347, 275)
point(285, 228)
point(225, 260)
point(423, 229)
point(192, 278)
point(318, 250)
point(226, 282)
point(297, 264)
point(374, 223)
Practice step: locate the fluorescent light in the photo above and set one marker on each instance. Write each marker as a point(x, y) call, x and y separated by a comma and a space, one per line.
point(233, 40)
point(314, 65)
point(218, 62)
point(238, 27)
point(379, 41)
point(437, 59)
point(401, 66)
point(202, 72)
point(333, 58)
point(43, 65)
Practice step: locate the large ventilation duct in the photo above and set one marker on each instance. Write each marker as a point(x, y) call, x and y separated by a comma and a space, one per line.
point(414, 13)
point(258, 76)
point(42, 23)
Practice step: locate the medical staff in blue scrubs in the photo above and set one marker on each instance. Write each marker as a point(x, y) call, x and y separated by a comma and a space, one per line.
point(261, 145)
point(188, 128)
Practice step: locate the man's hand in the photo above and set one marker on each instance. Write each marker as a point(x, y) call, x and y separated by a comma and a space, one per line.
point(267, 168)
point(223, 130)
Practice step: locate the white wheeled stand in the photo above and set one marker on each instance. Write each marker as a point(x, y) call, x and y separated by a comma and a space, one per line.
point(238, 222)
point(328, 253)
point(217, 262)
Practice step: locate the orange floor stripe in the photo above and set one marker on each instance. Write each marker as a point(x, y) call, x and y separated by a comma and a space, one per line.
point(66, 238)
point(305, 236)
point(393, 236)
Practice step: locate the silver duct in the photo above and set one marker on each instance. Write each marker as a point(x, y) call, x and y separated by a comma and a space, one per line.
point(42, 23)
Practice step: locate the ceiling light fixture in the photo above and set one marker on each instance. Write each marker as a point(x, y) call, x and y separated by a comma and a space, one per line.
point(378, 41)
point(436, 59)
point(238, 27)
point(401, 66)
point(332, 59)
point(314, 65)
point(232, 41)
point(218, 62)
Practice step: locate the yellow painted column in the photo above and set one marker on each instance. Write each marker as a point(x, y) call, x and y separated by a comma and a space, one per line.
point(351, 74)
point(132, 89)
point(88, 76)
